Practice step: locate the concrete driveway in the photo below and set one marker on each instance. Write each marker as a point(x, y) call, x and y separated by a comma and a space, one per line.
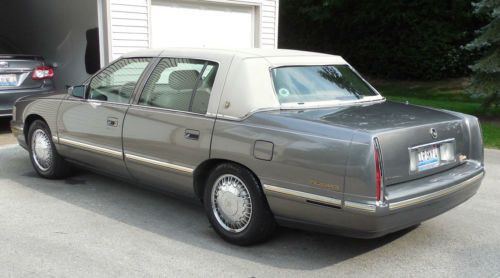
point(93, 226)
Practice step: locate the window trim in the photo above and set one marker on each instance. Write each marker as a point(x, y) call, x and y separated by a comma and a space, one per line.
point(153, 65)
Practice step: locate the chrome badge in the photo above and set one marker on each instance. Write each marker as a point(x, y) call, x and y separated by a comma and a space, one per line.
point(434, 133)
point(4, 64)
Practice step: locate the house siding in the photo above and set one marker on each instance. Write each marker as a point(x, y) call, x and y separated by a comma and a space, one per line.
point(269, 20)
point(129, 24)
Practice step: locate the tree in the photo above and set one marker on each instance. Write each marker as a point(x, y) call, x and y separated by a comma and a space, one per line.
point(486, 71)
point(394, 39)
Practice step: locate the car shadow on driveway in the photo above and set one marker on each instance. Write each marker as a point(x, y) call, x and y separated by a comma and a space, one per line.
point(185, 222)
point(4, 125)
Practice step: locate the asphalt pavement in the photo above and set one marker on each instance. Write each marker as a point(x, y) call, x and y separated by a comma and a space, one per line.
point(93, 226)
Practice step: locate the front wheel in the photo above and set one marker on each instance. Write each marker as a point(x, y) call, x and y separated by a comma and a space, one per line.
point(43, 154)
point(236, 206)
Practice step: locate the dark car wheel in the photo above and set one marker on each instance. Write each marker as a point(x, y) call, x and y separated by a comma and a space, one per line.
point(236, 206)
point(44, 157)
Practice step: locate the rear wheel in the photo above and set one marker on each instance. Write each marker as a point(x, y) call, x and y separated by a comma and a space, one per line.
point(236, 206)
point(43, 154)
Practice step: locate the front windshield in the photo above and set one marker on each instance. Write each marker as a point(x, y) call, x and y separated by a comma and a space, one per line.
point(303, 84)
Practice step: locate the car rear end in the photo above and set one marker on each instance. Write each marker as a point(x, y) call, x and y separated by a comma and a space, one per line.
point(413, 172)
point(22, 75)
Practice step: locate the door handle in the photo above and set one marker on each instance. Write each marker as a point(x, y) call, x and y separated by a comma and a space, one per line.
point(192, 134)
point(112, 121)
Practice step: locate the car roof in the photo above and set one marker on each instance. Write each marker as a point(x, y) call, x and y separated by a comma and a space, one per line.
point(238, 52)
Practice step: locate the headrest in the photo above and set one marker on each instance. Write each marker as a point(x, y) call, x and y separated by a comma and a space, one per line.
point(183, 79)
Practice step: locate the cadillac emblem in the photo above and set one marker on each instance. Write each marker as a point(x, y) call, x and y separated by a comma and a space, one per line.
point(434, 133)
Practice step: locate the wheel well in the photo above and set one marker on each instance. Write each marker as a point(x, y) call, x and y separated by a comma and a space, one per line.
point(202, 172)
point(27, 123)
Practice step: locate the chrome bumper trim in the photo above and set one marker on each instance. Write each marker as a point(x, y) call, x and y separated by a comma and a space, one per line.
point(159, 163)
point(302, 195)
point(359, 206)
point(92, 148)
point(434, 195)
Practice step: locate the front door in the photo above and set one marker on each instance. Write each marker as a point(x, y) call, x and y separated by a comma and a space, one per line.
point(167, 133)
point(90, 129)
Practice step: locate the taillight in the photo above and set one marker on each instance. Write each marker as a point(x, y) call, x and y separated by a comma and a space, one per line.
point(42, 73)
point(378, 169)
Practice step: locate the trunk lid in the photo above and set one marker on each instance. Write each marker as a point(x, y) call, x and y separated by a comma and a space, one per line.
point(16, 70)
point(400, 128)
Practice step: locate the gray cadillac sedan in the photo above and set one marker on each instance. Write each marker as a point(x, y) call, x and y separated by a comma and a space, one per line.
point(261, 137)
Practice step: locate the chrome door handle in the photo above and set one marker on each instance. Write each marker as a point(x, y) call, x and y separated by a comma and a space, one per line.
point(192, 134)
point(112, 121)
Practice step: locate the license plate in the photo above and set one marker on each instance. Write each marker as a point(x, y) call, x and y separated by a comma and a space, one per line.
point(427, 158)
point(8, 80)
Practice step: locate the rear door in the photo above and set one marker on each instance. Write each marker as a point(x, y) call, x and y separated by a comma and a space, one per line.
point(167, 132)
point(90, 129)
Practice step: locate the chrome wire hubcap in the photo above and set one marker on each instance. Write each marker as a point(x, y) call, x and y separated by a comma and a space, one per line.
point(231, 203)
point(41, 149)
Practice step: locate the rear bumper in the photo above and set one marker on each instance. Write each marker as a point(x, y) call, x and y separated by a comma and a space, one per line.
point(407, 205)
point(9, 97)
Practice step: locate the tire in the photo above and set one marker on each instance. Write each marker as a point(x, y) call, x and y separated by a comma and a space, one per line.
point(255, 221)
point(45, 159)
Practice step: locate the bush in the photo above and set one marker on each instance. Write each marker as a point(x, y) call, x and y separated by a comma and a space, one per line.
point(396, 39)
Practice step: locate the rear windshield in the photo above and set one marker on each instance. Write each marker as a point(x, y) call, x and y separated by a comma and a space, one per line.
point(303, 84)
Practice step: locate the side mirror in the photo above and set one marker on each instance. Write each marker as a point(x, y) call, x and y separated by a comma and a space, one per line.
point(77, 91)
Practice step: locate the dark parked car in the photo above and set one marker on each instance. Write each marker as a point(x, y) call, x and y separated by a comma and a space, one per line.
point(21, 75)
point(260, 137)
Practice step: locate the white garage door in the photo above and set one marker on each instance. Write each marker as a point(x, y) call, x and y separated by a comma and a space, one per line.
point(175, 24)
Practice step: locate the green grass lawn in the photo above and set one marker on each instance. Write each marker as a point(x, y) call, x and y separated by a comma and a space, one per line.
point(450, 95)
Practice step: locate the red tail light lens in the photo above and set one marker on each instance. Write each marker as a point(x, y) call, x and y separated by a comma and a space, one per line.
point(42, 73)
point(378, 170)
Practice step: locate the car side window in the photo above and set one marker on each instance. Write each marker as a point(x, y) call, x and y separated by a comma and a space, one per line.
point(116, 83)
point(180, 84)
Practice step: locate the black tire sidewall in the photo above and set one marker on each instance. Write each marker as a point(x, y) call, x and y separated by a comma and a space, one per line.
point(262, 221)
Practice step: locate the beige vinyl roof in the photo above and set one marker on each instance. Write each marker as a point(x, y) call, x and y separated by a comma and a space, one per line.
point(239, 52)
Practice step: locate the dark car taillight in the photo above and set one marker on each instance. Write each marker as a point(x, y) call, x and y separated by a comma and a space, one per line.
point(378, 169)
point(42, 73)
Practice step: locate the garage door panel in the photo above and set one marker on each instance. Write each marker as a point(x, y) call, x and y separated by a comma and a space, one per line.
point(196, 25)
